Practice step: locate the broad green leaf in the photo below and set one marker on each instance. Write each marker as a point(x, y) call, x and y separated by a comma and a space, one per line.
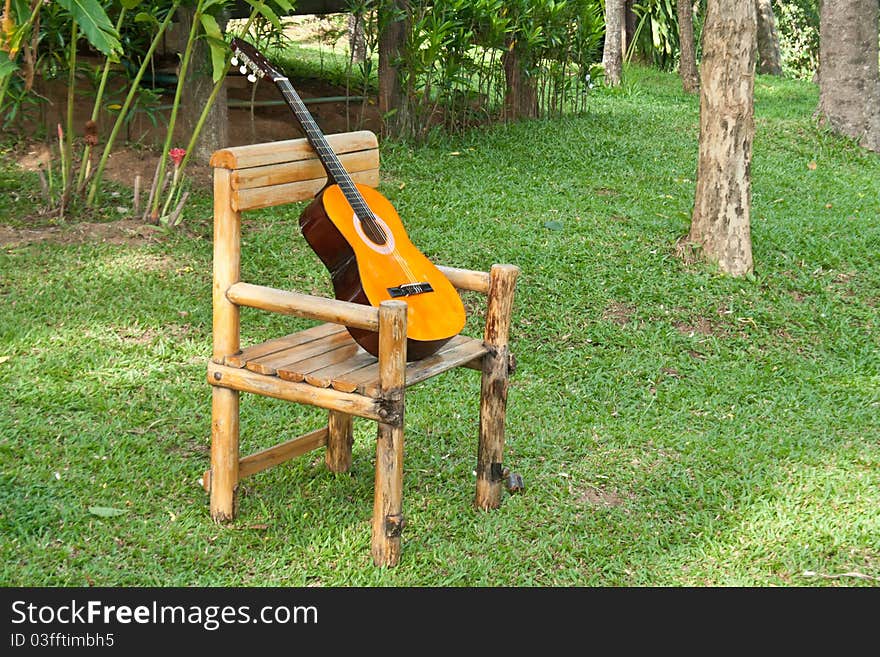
point(131, 4)
point(95, 24)
point(268, 14)
point(212, 29)
point(105, 511)
point(20, 9)
point(283, 5)
point(219, 57)
point(6, 65)
point(217, 44)
point(145, 17)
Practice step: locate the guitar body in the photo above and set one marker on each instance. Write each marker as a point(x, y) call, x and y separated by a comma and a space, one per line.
point(363, 271)
point(356, 233)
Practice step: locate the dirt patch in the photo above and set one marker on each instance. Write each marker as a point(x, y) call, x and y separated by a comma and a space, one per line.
point(264, 121)
point(256, 114)
point(124, 231)
point(600, 498)
point(619, 313)
point(700, 325)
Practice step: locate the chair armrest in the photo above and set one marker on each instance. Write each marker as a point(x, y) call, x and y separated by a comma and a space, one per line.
point(304, 305)
point(466, 279)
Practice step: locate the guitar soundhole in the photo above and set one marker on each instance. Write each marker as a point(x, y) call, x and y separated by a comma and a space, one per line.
point(375, 233)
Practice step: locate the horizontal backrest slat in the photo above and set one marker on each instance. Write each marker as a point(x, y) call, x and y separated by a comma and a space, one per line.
point(289, 171)
point(290, 150)
point(293, 192)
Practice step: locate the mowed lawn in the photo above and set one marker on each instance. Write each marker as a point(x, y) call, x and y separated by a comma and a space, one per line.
point(673, 427)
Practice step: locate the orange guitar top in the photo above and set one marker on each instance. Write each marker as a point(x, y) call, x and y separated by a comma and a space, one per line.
point(396, 262)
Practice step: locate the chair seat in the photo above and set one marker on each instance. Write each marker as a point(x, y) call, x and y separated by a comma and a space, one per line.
point(322, 366)
point(325, 356)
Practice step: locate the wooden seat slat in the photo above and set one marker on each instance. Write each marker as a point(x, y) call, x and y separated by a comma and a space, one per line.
point(292, 192)
point(299, 370)
point(330, 376)
point(458, 351)
point(269, 364)
point(253, 352)
point(325, 356)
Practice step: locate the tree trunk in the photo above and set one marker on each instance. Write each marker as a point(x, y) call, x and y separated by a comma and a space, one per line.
point(630, 23)
point(356, 38)
point(521, 92)
point(612, 55)
point(769, 60)
point(687, 66)
point(849, 84)
point(720, 224)
point(197, 89)
point(393, 22)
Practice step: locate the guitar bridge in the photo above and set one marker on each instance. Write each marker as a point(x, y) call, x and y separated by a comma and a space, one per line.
point(409, 289)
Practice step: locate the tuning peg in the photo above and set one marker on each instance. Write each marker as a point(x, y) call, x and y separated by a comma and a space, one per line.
point(243, 69)
point(252, 78)
point(234, 60)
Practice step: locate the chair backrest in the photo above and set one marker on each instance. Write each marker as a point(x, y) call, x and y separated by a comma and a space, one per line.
point(274, 173)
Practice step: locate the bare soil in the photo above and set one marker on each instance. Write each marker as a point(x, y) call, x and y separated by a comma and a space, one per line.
point(258, 123)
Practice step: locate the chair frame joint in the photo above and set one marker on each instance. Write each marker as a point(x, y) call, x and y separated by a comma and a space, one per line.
point(390, 408)
point(394, 525)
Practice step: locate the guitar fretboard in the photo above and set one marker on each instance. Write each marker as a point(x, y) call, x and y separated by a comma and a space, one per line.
point(335, 170)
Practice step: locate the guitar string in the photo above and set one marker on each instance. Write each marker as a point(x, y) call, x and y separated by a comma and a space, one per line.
point(341, 176)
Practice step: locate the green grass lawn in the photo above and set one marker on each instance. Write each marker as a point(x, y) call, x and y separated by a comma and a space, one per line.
point(674, 427)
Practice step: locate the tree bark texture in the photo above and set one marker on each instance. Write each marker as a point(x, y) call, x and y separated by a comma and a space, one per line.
point(612, 52)
point(630, 24)
point(196, 91)
point(521, 92)
point(393, 22)
point(769, 59)
point(357, 42)
point(849, 84)
point(721, 220)
point(687, 66)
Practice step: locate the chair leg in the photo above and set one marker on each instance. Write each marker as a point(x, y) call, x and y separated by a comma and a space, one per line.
point(493, 411)
point(388, 519)
point(388, 502)
point(493, 391)
point(224, 454)
point(340, 438)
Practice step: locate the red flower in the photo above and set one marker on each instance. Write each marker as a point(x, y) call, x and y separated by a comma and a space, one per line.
point(176, 155)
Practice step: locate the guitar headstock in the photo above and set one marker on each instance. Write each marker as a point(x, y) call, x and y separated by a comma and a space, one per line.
point(252, 60)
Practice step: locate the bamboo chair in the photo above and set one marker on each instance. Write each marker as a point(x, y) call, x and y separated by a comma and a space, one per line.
point(322, 366)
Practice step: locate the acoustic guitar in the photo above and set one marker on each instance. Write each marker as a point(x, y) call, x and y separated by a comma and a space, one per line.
point(358, 235)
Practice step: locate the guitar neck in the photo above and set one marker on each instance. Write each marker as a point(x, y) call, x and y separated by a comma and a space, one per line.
point(332, 165)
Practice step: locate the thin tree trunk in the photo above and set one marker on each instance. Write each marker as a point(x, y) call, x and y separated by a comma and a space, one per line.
point(393, 28)
point(199, 85)
point(521, 92)
point(769, 60)
point(849, 83)
point(356, 38)
point(687, 66)
point(630, 21)
point(720, 225)
point(612, 55)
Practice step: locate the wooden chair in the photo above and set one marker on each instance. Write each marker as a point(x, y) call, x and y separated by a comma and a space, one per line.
point(322, 366)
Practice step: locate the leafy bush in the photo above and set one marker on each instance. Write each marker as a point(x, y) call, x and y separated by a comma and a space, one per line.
point(797, 24)
point(460, 56)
